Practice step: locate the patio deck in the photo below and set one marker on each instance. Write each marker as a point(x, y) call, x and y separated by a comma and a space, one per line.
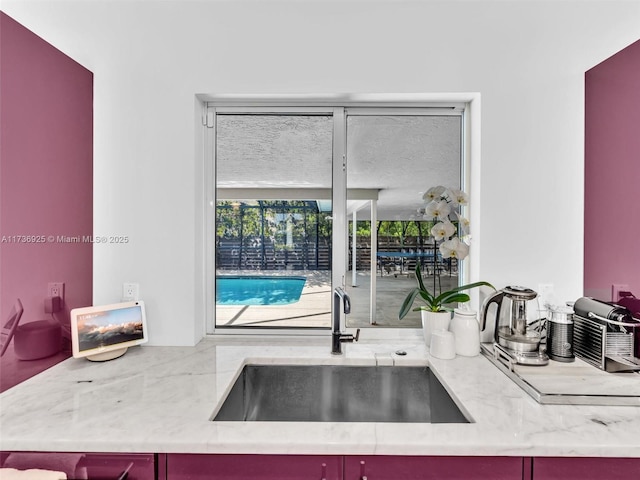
point(314, 308)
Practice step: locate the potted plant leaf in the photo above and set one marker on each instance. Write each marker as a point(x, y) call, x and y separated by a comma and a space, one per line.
point(435, 313)
point(433, 303)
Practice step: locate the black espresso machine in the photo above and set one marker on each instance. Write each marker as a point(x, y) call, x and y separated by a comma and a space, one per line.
point(604, 335)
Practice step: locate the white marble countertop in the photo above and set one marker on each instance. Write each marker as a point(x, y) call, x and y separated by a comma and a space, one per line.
point(160, 399)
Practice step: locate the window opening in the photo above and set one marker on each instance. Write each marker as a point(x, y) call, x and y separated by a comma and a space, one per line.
point(274, 217)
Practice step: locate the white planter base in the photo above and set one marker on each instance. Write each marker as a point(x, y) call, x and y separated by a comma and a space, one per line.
point(432, 321)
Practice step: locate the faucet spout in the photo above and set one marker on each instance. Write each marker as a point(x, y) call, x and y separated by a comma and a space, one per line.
point(337, 337)
point(340, 295)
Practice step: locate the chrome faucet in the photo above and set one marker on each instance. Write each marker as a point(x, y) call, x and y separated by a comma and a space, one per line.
point(337, 337)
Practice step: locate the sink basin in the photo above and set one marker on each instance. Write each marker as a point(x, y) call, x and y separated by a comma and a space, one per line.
point(330, 393)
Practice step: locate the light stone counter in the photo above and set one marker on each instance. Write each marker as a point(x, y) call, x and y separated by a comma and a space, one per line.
point(160, 399)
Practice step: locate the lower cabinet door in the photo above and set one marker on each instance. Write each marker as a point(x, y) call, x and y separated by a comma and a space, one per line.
point(119, 466)
point(557, 468)
point(92, 466)
point(432, 468)
point(250, 467)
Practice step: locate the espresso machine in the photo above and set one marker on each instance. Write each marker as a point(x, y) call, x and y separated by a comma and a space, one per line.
point(516, 334)
point(605, 335)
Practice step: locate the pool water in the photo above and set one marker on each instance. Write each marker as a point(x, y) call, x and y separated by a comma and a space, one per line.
point(258, 290)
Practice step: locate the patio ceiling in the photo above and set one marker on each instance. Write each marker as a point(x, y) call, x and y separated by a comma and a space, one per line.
point(399, 157)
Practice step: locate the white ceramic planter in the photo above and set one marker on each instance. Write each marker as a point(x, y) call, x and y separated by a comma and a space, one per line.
point(432, 321)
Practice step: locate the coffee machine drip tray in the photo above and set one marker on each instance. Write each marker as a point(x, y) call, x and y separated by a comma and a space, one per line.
point(575, 383)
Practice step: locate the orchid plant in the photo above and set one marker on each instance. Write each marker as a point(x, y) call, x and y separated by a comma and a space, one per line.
point(443, 206)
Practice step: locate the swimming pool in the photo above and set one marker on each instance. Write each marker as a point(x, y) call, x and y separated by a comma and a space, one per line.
point(258, 290)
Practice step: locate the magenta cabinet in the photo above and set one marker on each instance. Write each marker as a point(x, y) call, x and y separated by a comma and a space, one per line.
point(557, 468)
point(93, 466)
point(428, 468)
point(318, 467)
point(250, 467)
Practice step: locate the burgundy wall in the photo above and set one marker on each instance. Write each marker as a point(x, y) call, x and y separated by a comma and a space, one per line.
point(612, 174)
point(46, 172)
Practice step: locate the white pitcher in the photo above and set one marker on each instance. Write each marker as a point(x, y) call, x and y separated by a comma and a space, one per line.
point(466, 329)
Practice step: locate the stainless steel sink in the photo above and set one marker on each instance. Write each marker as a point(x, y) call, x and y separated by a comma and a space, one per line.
point(330, 393)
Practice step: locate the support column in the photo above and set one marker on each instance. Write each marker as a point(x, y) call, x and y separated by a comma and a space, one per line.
point(374, 261)
point(354, 244)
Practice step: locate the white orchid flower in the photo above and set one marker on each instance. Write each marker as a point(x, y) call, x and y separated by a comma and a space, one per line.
point(434, 193)
point(454, 248)
point(437, 209)
point(464, 224)
point(443, 230)
point(458, 197)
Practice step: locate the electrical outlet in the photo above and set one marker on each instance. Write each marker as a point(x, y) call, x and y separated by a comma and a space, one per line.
point(130, 291)
point(616, 288)
point(56, 289)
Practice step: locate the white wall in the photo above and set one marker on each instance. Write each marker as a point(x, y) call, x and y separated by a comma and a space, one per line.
point(526, 58)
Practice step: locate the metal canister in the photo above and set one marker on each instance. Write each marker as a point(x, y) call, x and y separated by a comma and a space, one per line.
point(560, 334)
